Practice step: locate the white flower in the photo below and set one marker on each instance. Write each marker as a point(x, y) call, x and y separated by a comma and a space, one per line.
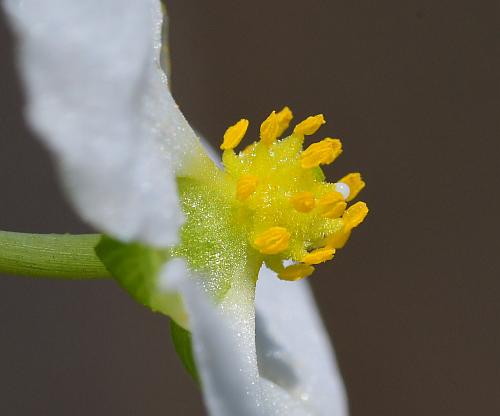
point(98, 98)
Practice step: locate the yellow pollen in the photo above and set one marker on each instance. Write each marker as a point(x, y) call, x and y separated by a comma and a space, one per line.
point(272, 241)
point(321, 153)
point(284, 118)
point(246, 186)
point(303, 201)
point(310, 125)
point(355, 183)
point(332, 205)
point(296, 272)
point(269, 129)
point(234, 135)
point(319, 255)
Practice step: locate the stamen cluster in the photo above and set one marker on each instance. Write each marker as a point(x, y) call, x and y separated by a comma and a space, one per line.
point(281, 198)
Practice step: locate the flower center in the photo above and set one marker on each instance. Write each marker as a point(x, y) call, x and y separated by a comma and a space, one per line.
point(281, 200)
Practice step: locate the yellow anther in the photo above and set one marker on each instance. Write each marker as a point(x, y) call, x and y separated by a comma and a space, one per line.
point(284, 118)
point(355, 183)
point(332, 205)
point(355, 215)
point(319, 255)
point(272, 241)
point(321, 153)
point(246, 186)
point(303, 201)
point(339, 239)
point(234, 134)
point(296, 272)
point(310, 125)
point(352, 218)
point(269, 129)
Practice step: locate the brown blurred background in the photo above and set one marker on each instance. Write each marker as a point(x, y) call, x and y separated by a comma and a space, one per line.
point(412, 304)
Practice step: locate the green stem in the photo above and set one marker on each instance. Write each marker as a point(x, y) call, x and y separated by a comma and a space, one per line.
point(51, 255)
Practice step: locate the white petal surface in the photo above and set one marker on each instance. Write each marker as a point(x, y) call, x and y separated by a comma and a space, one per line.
point(298, 374)
point(98, 98)
point(287, 312)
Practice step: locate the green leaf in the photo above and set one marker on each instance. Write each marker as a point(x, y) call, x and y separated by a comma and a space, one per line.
point(136, 268)
point(183, 346)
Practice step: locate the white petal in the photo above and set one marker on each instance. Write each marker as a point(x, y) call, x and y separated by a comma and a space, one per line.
point(300, 377)
point(99, 99)
point(292, 321)
point(222, 342)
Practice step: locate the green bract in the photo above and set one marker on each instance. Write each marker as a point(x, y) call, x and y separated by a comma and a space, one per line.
point(136, 268)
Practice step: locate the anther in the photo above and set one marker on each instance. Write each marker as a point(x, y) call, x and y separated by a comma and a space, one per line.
point(355, 214)
point(310, 125)
point(234, 134)
point(332, 205)
point(352, 218)
point(319, 255)
point(272, 241)
point(246, 186)
point(303, 201)
point(321, 153)
point(339, 239)
point(296, 272)
point(269, 129)
point(284, 118)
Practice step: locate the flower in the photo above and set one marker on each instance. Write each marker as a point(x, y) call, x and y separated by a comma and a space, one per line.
point(186, 238)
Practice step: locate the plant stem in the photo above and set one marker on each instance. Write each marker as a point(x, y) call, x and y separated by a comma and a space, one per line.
point(63, 256)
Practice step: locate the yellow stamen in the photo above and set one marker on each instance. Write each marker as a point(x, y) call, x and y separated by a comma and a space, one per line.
point(310, 125)
point(338, 240)
point(332, 205)
point(246, 186)
point(296, 272)
point(234, 134)
point(355, 215)
point(352, 218)
point(355, 183)
point(284, 118)
point(278, 197)
point(321, 153)
point(319, 255)
point(303, 201)
point(269, 129)
point(272, 241)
